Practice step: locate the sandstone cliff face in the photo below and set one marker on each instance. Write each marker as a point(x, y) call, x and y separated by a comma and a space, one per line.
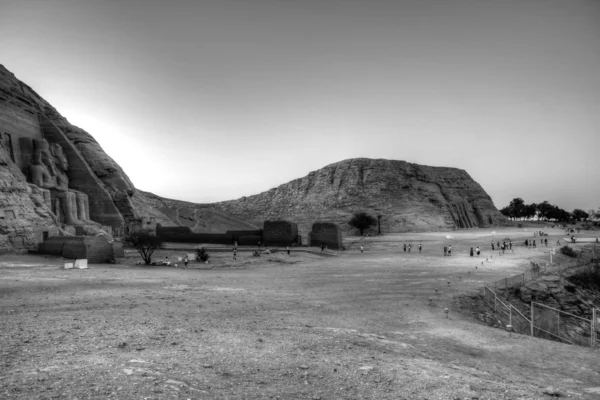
point(409, 197)
point(53, 175)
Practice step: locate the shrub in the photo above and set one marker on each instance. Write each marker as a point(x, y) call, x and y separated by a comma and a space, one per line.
point(202, 254)
point(145, 243)
point(567, 251)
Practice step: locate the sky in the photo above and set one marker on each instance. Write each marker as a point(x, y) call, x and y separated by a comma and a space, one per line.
point(214, 100)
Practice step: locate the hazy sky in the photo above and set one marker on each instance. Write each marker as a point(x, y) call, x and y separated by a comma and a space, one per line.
point(214, 100)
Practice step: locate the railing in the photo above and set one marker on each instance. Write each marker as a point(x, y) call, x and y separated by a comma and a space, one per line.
point(546, 322)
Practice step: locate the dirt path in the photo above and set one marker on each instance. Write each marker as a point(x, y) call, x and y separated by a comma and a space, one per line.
point(288, 327)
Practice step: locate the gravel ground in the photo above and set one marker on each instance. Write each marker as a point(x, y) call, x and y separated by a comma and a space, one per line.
point(358, 326)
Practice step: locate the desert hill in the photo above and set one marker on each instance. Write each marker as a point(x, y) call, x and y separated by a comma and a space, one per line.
point(409, 197)
point(55, 179)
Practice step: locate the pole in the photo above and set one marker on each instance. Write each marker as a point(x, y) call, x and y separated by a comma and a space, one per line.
point(531, 318)
point(593, 333)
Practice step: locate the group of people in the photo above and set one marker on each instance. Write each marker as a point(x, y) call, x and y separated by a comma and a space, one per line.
point(531, 243)
point(409, 247)
point(504, 246)
point(167, 262)
point(476, 251)
point(448, 250)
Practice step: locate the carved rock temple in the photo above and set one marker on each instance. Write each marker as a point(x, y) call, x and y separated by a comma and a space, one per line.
point(55, 180)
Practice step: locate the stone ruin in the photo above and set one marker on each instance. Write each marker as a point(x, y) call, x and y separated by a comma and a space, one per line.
point(326, 233)
point(280, 233)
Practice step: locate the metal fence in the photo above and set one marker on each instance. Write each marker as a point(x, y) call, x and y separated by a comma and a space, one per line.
point(506, 313)
point(539, 268)
point(546, 322)
point(551, 323)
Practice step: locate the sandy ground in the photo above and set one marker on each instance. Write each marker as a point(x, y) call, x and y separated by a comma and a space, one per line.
point(289, 327)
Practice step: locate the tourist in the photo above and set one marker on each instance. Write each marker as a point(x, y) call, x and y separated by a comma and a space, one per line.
point(404, 246)
point(234, 254)
point(185, 261)
point(546, 242)
point(288, 250)
point(445, 250)
point(362, 249)
point(477, 251)
point(498, 245)
point(527, 243)
point(409, 247)
point(450, 250)
point(420, 248)
point(166, 262)
point(492, 245)
point(471, 252)
point(510, 244)
point(323, 247)
point(533, 243)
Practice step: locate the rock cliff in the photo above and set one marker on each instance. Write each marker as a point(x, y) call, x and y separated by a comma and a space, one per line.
point(54, 177)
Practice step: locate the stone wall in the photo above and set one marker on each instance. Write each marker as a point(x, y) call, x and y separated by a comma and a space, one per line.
point(280, 233)
point(96, 249)
point(326, 233)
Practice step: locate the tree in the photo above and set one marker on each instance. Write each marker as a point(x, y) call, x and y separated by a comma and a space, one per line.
point(529, 210)
point(362, 221)
point(545, 209)
point(580, 215)
point(144, 243)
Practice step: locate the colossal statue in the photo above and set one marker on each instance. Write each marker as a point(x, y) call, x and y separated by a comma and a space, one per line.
point(48, 170)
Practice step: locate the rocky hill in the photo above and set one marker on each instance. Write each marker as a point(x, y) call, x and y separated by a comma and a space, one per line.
point(409, 197)
point(55, 179)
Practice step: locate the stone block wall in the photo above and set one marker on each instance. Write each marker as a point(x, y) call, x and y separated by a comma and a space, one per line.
point(96, 249)
point(280, 233)
point(326, 233)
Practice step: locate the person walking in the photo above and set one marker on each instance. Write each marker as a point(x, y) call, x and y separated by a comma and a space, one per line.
point(445, 250)
point(323, 247)
point(362, 249)
point(288, 250)
point(477, 250)
point(527, 243)
point(409, 247)
point(510, 244)
point(546, 241)
point(450, 250)
point(234, 254)
point(185, 261)
point(471, 252)
point(420, 248)
point(492, 245)
point(404, 246)
point(534, 243)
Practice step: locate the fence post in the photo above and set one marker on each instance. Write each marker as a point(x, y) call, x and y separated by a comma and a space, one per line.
point(532, 318)
point(510, 314)
point(593, 333)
